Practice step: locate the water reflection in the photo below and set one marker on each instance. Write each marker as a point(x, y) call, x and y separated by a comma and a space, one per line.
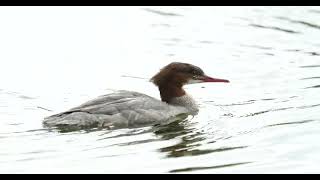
point(172, 130)
point(190, 140)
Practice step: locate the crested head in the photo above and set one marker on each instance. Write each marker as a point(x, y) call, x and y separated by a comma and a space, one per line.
point(173, 76)
point(177, 73)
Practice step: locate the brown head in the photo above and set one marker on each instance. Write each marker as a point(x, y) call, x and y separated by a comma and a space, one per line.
point(172, 77)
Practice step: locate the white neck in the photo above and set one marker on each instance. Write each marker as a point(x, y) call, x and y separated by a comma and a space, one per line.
point(185, 101)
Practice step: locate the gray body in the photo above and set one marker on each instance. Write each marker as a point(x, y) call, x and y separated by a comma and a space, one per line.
point(123, 109)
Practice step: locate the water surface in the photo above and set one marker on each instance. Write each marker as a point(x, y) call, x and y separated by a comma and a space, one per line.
point(265, 121)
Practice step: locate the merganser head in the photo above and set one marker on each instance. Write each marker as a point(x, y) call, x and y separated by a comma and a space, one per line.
point(172, 77)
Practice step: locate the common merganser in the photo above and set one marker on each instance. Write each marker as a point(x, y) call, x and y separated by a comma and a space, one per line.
point(128, 109)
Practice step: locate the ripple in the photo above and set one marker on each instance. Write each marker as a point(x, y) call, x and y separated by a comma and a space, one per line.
point(138, 142)
point(26, 159)
point(242, 18)
point(114, 155)
point(168, 44)
point(310, 66)
point(308, 106)
point(298, 50)
point(12, 93)
point(161, 25)
point(175, 39)
point(300, 22)
point(266, 111)
point(316, 86)
point(67, 130)
point(241, 103)
point(275, 28)
point(232, 104)
point(196, 152)
point(14, 124)
point(162, 13)
point(257, 46)
point(315, 77)
point(134, 77)
point(269, 54)
point(126, 134)
point(26, 97)
point(267, 99)
point(123, 144)
point(208, 167)
point(36, 131)
point(314, 11)
point(293, 50)
point(291, 123)
point(40, 152)
point(313, 53)
point(206, 42)
point(39, 107)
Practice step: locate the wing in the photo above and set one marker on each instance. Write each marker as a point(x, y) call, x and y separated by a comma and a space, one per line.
point(120, 109)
